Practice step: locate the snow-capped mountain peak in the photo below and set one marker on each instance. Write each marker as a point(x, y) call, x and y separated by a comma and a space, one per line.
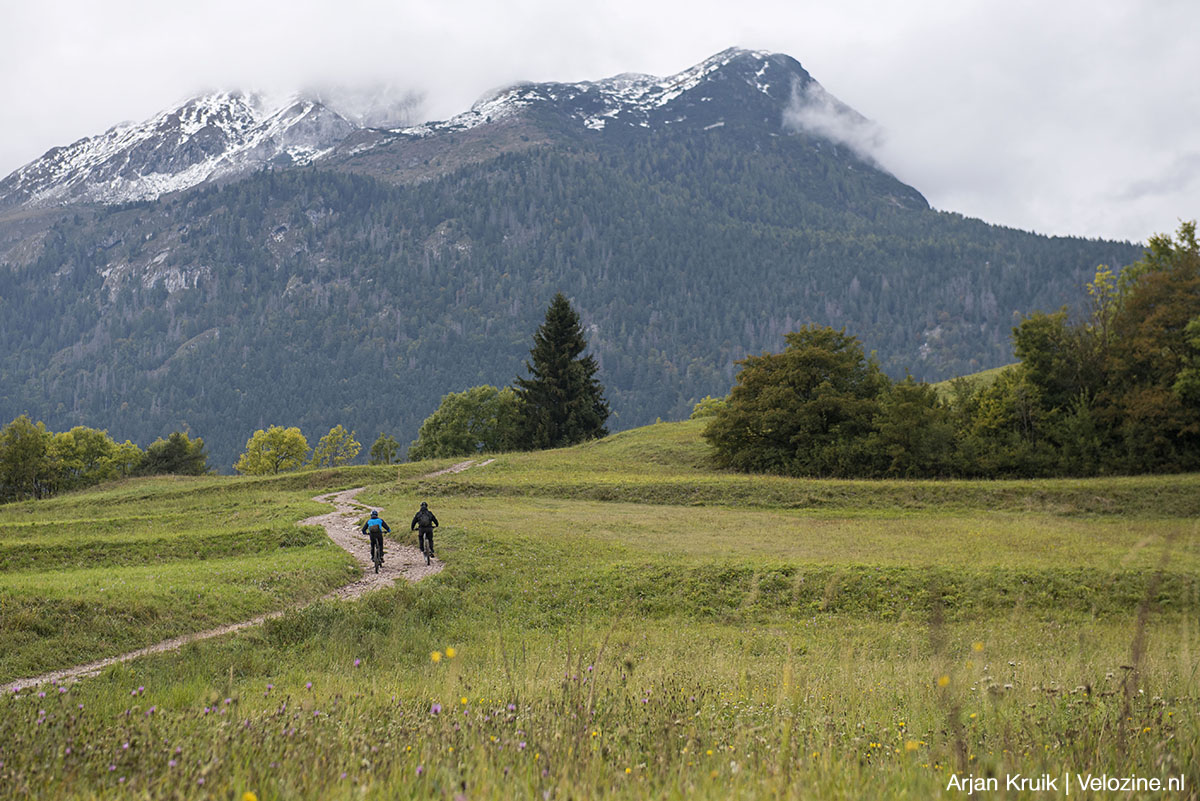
point(639, 100)
point(224, 134)
point(206, 137)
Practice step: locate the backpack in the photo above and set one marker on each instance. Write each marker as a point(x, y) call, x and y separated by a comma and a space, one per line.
point(375, 524)
point(424, 518)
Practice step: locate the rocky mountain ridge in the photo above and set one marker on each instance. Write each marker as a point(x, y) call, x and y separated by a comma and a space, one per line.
point(228, 134)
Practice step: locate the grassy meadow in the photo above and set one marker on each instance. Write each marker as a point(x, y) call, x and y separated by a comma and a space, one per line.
point(615, 620)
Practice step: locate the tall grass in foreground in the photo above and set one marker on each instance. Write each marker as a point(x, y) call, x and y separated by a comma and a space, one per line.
point(576, 648)
point(348, 702)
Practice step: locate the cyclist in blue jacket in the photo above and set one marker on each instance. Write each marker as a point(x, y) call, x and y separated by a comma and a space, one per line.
point(374, 527)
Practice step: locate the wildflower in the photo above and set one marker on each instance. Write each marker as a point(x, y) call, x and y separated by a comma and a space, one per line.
point(521, 746)
point(420, 769)
point(911, 745)
point(249, 796)
point(943, 681)
point(977, 647)
point(357, 662)
point(435, 709)
point(464, 700)
point(629, 770)
point(171, 763)
point(512, 707)
point(450, 652)
point(709, 752)
point(972, 716)
point(435, 657)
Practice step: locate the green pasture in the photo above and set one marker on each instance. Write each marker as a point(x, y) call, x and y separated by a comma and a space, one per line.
point(625, 622)
point(667, 464)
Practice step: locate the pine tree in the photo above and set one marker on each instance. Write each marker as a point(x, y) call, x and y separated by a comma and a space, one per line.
point(562, 403)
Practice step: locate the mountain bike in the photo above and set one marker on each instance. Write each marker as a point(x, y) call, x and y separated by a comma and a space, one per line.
point(377, 553)
point(426, 546)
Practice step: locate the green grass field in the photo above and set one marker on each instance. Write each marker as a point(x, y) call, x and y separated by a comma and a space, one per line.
point(614, 620)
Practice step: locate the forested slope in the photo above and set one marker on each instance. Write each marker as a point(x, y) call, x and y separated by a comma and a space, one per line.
point(309, 297)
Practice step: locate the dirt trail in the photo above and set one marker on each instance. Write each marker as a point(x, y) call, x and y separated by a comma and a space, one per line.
point(400, 561)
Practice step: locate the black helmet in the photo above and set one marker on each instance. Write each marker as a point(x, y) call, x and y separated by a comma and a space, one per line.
point(424, 505)
point(374, 513)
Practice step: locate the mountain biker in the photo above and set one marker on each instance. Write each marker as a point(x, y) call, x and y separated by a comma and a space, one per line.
point(374, 527)
point(424, 522)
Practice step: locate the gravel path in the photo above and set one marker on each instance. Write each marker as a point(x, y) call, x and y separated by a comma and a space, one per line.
point(400, 561)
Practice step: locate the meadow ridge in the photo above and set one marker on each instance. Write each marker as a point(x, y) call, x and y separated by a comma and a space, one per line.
point(614, 620)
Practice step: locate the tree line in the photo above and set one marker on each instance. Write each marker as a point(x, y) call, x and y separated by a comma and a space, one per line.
point(560, 403)
point(36, 462)
point(1117, 391)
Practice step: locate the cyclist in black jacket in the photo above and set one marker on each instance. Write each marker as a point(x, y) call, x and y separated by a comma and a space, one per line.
point(424, 522)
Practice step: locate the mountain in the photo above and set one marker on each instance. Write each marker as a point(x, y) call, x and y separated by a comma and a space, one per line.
point(207, 138)
point(360, 275)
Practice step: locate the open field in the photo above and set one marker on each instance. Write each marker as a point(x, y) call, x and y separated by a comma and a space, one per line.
point(625, 623)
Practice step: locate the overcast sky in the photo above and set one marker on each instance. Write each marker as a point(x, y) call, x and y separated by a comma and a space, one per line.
point(1062, 117)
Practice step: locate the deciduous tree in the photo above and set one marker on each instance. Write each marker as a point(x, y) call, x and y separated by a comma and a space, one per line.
point(275, 450)
point(479, 419)
point(384, 450)
point(336, 448)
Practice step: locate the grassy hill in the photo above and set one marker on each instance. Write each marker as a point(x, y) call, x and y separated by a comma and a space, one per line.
point(625, 622)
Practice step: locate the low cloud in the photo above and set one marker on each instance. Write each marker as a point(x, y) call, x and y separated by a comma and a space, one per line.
point(1181, 174)
point(813, 110)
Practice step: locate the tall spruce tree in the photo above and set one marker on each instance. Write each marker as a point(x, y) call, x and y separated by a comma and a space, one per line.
point(561, 402)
